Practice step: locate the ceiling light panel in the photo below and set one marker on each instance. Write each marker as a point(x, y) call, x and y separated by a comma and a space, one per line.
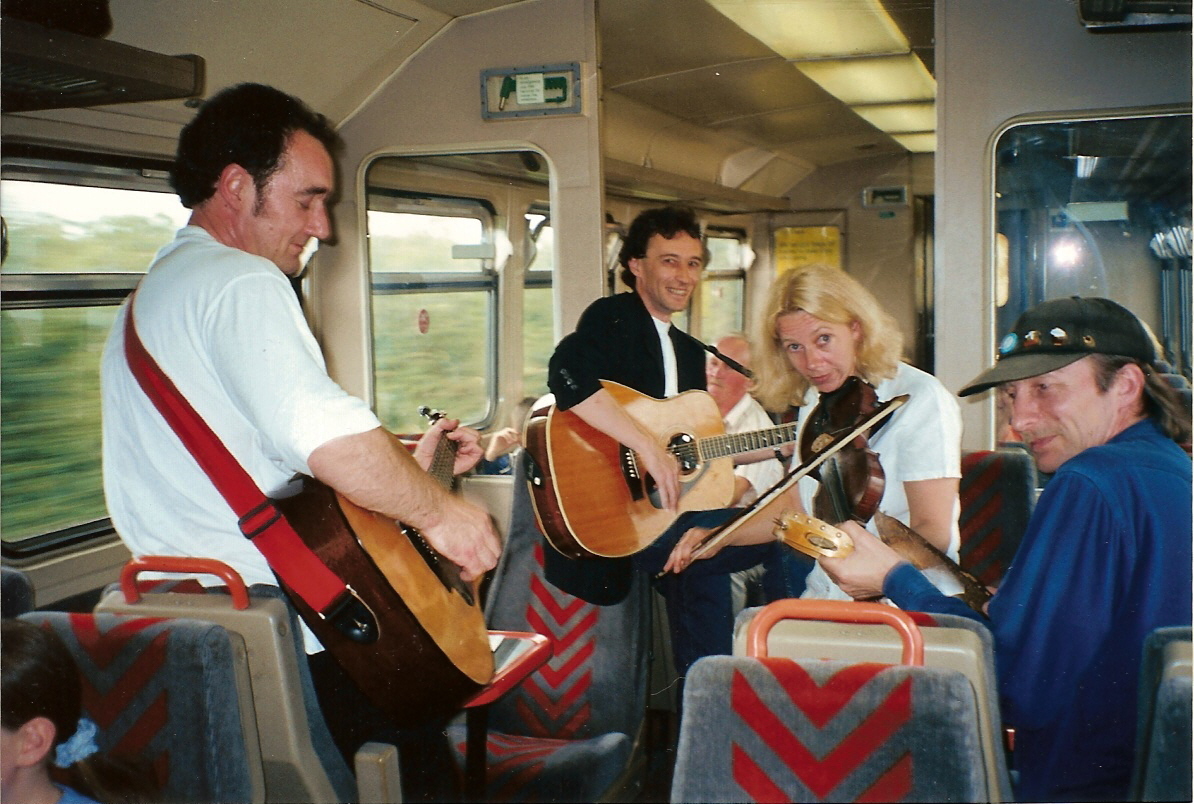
point(900, 117)
point(877, 79)
point(812, 29)
point(924, 142)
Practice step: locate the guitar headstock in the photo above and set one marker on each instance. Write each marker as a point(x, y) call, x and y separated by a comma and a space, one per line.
point(811, 536)
point(432, 416)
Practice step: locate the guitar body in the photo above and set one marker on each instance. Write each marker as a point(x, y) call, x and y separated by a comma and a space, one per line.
point(590, 500)
point(432, 652)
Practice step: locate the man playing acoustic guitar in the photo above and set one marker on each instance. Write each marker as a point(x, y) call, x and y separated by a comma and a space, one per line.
point(628, 338)
point(217, 311)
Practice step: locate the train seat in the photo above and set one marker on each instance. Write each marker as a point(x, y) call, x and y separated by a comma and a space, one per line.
point(171, 693)
point(16, 592)
point(570, 731)
point(773, 729)
point(997, 493)
point(1163, 739)
point(949, 642)
point(301, 762)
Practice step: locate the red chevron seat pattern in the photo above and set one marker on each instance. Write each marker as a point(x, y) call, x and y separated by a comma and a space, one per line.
point(567, 732)
point(785, 730)
point(163, 693)
point(997, 493)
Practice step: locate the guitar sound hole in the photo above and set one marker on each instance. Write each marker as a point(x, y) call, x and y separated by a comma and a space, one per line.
point(684, 447)
point(447, 572)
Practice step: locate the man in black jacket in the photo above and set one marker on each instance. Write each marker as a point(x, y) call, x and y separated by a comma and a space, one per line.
point(628, 338)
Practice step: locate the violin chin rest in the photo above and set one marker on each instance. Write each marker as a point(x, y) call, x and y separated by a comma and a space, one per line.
point(812, 536)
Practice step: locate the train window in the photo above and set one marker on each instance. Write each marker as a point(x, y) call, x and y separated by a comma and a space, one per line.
point(433, 289)
point(72, 252)
point(723, 285)
point(538, 339)
point(1097, 207)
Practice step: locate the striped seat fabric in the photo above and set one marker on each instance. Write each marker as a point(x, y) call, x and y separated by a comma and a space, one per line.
point(164, 693)
point(770, 729)
point(997, 492)
point(567, 732)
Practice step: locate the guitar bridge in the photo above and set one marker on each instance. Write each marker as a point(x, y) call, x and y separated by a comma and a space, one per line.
point(635, 481)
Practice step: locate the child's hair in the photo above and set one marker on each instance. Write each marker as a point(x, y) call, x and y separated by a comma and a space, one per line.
point(39, 678)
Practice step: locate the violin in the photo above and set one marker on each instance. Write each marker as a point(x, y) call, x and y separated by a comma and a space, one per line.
point(852, 483)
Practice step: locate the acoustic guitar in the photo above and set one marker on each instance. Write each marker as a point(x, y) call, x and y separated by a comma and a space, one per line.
point(431, 650)
point(591, 496)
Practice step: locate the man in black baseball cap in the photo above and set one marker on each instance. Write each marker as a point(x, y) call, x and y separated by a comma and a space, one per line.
point(1105, 559)
point(1062, 331)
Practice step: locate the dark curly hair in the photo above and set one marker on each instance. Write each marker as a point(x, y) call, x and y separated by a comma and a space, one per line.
point(248, 125)
point(665, 221)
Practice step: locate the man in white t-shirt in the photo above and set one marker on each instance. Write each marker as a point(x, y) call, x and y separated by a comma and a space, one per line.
point(217, 312)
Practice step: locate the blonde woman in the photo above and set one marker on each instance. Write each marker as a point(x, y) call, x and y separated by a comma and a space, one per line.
point(820, 328)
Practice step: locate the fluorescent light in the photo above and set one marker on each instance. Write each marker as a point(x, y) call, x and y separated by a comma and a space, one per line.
point(899, 117)
point(804, 29)
point(854, 51)
point(872, 79)
point(924, 142)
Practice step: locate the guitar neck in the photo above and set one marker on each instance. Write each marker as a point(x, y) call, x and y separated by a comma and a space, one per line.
point(720, 446)
point(443, 462)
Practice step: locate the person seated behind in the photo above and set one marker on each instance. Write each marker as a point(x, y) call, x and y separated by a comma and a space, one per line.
point(820, 329)
point(41, 725)
point(1106, 556)
point(501, 446)
point(741, 413)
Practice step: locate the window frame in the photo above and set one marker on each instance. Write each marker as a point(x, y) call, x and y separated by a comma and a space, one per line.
point(34, 291)
point(398, 283)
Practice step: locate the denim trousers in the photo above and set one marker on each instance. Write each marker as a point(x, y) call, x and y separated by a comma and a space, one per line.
point(699, 601)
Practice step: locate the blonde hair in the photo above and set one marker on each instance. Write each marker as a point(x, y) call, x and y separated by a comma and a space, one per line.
point(834, 296)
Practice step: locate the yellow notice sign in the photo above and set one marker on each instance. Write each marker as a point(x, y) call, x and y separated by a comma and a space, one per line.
point(805, 245)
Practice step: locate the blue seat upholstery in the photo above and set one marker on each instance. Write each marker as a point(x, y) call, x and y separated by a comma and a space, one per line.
point(997, 493)
point(1163, 769)
point(773, 729)
point(16, 592)
point(568, 732)
point(167, 693)
point(301, 761)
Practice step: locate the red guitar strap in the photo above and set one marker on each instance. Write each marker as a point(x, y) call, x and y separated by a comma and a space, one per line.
point(259, 519)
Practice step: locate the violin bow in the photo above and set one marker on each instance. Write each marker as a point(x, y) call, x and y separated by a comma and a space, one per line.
point(760, 505)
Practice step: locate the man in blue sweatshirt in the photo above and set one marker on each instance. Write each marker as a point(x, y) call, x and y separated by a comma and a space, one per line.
point(1106, 556)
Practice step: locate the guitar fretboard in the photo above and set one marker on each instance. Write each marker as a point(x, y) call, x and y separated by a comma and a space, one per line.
point(704, 449)
point(443, 462)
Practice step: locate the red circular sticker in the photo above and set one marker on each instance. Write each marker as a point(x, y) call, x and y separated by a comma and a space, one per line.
point(424, 322)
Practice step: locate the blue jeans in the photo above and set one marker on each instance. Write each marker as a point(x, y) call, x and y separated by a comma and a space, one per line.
point(699, 606)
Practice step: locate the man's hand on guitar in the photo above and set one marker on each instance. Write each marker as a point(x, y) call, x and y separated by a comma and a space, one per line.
point(661, 465)
point(862, 572)
point(681, 556)
point(464, 534)
point(466, 439)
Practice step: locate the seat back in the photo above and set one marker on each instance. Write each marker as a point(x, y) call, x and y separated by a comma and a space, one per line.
point(301, 762)
point(772, 729)
point(596, 681)
point(997, 493)
point(16, 592)
point(951, 643)
point(1163, 740)
point(170, 693)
